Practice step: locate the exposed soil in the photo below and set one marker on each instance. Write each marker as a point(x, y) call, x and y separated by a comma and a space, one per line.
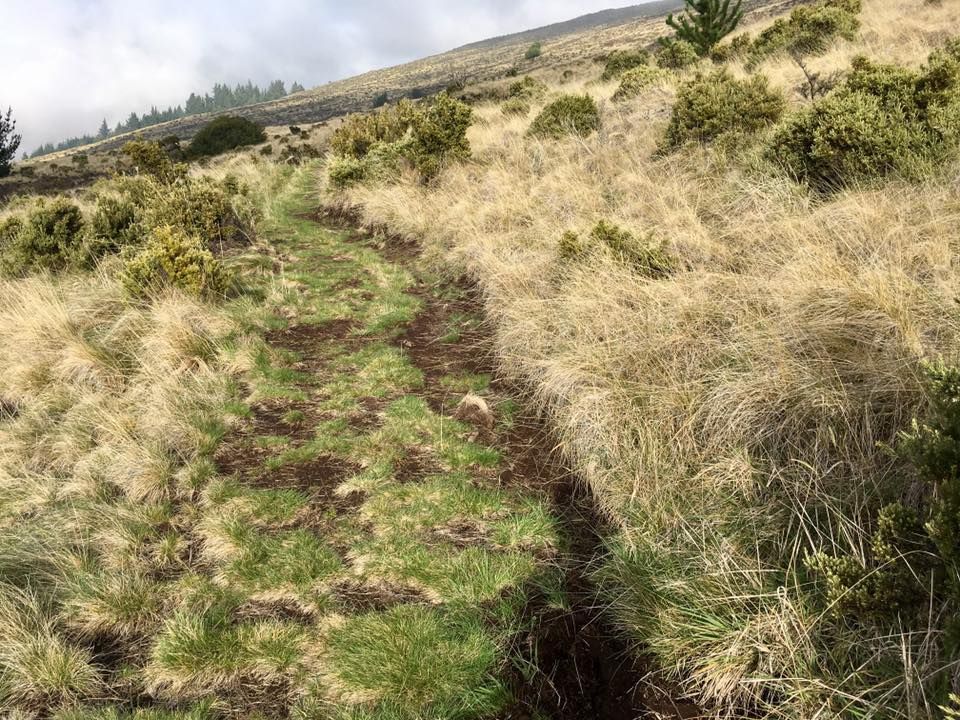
point(365, 598)
point(584, 669)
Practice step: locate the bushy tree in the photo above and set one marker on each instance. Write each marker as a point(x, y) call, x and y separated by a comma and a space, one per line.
point(706, 22)
point(9, 142)
point(225, 133)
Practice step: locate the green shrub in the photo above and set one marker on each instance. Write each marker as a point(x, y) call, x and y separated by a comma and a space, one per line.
point(198, 207)
point(714, 105)
point(645, 256)
point(636, 81)
point(380, 99)
point(568, 114)
point(171, 258)
point(359, 133)
point(223, 134)
point(440, 134)
point(378, 143)
point(114, 225)
point(81, 160)
point(150, 158)
point(912, 564)
point(516, 106)
point(882, 120)
point(677, 55)
point(266, 150)
point(534, 51)
point(810, 30)
point(529, 88)
point(50, 238)
point(736, 49)
point(620, 61)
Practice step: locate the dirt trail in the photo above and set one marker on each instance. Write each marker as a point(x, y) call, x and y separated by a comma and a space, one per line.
point(582, 667)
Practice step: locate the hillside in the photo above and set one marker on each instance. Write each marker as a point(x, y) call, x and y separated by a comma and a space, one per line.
point(624, 388)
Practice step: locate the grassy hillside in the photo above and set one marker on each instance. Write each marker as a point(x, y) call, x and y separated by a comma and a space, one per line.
point(627, 390)
point(738, 415)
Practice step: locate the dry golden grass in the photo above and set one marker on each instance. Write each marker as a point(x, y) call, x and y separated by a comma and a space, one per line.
point(740, 404)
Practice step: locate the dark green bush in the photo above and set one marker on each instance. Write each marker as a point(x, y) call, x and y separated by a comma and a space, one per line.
point(568, 114)
point(736, 49)
point(171, 258)
point(714, 105)
point(882, 120)
point(197, 207)
point(635, 81)
point(534, 51)
point(810, 30)
point(380, 100)
point(223, 134)
point(677, 55)
point(620, 61)
point(440, 134)
point(51, 237)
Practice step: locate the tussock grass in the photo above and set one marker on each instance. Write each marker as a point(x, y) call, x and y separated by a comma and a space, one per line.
point(734, 415)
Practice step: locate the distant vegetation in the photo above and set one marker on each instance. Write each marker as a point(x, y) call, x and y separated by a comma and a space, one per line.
point(9, 142)
point(534, 51)
point(223, 97)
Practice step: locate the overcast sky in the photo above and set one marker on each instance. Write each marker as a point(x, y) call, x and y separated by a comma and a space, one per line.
point(70, 63)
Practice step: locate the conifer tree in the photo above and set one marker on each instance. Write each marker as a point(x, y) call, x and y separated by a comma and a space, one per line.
point(104, 131)
point(9, 142)
point(706, 22)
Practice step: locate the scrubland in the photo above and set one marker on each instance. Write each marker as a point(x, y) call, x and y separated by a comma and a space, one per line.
point(739, 416)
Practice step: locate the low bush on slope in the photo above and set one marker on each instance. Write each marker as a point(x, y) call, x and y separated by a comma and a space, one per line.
point(786, 537)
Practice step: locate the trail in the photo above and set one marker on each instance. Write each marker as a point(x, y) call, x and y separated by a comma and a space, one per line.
point(368, 360)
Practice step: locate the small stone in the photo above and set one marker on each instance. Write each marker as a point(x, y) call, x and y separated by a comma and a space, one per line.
point(474, 410)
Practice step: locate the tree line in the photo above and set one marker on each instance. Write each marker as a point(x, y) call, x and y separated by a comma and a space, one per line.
point(222, 97)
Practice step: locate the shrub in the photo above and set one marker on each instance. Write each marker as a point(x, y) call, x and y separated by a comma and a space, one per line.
point(151, 158)
point(736, 49)
point(266, 150)
point(710, 106)
point(223, 134)
point(647, 257)
point(114, 225)
point(198, 207)
point(81, 160)
point(534, 51)
point(516, 106)
point(677, 55)
point(359, 133)
point(50, 238)
point(636, 81)
point(620, 61)
point(529, 88)
point(440, 134)
point(171, 258)
point(882, 120)
point(568, 114)
point(380, 100)
point(810, 30)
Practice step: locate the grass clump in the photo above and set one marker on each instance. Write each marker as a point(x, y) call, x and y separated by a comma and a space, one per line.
point(882, 120)
point(635, 81)
point(223, 134)
point(645, 256)
point(567, 115)
point(712, 106)
point(171, 258)
point(413, 662)
point(620, 61)
point(516, 106)
point(528, 88)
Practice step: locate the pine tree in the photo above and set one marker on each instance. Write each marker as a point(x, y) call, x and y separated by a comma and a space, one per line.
point(9, 142)
point(104, 131)
point(706, 22)
point(296, 87)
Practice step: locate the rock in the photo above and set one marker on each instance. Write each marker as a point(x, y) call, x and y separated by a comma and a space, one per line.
point(474, 410)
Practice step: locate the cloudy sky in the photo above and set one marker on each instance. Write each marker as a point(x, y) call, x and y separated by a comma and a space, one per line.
point(70, 63)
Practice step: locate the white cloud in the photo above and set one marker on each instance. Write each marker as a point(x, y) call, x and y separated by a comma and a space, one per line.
point(78, 61)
